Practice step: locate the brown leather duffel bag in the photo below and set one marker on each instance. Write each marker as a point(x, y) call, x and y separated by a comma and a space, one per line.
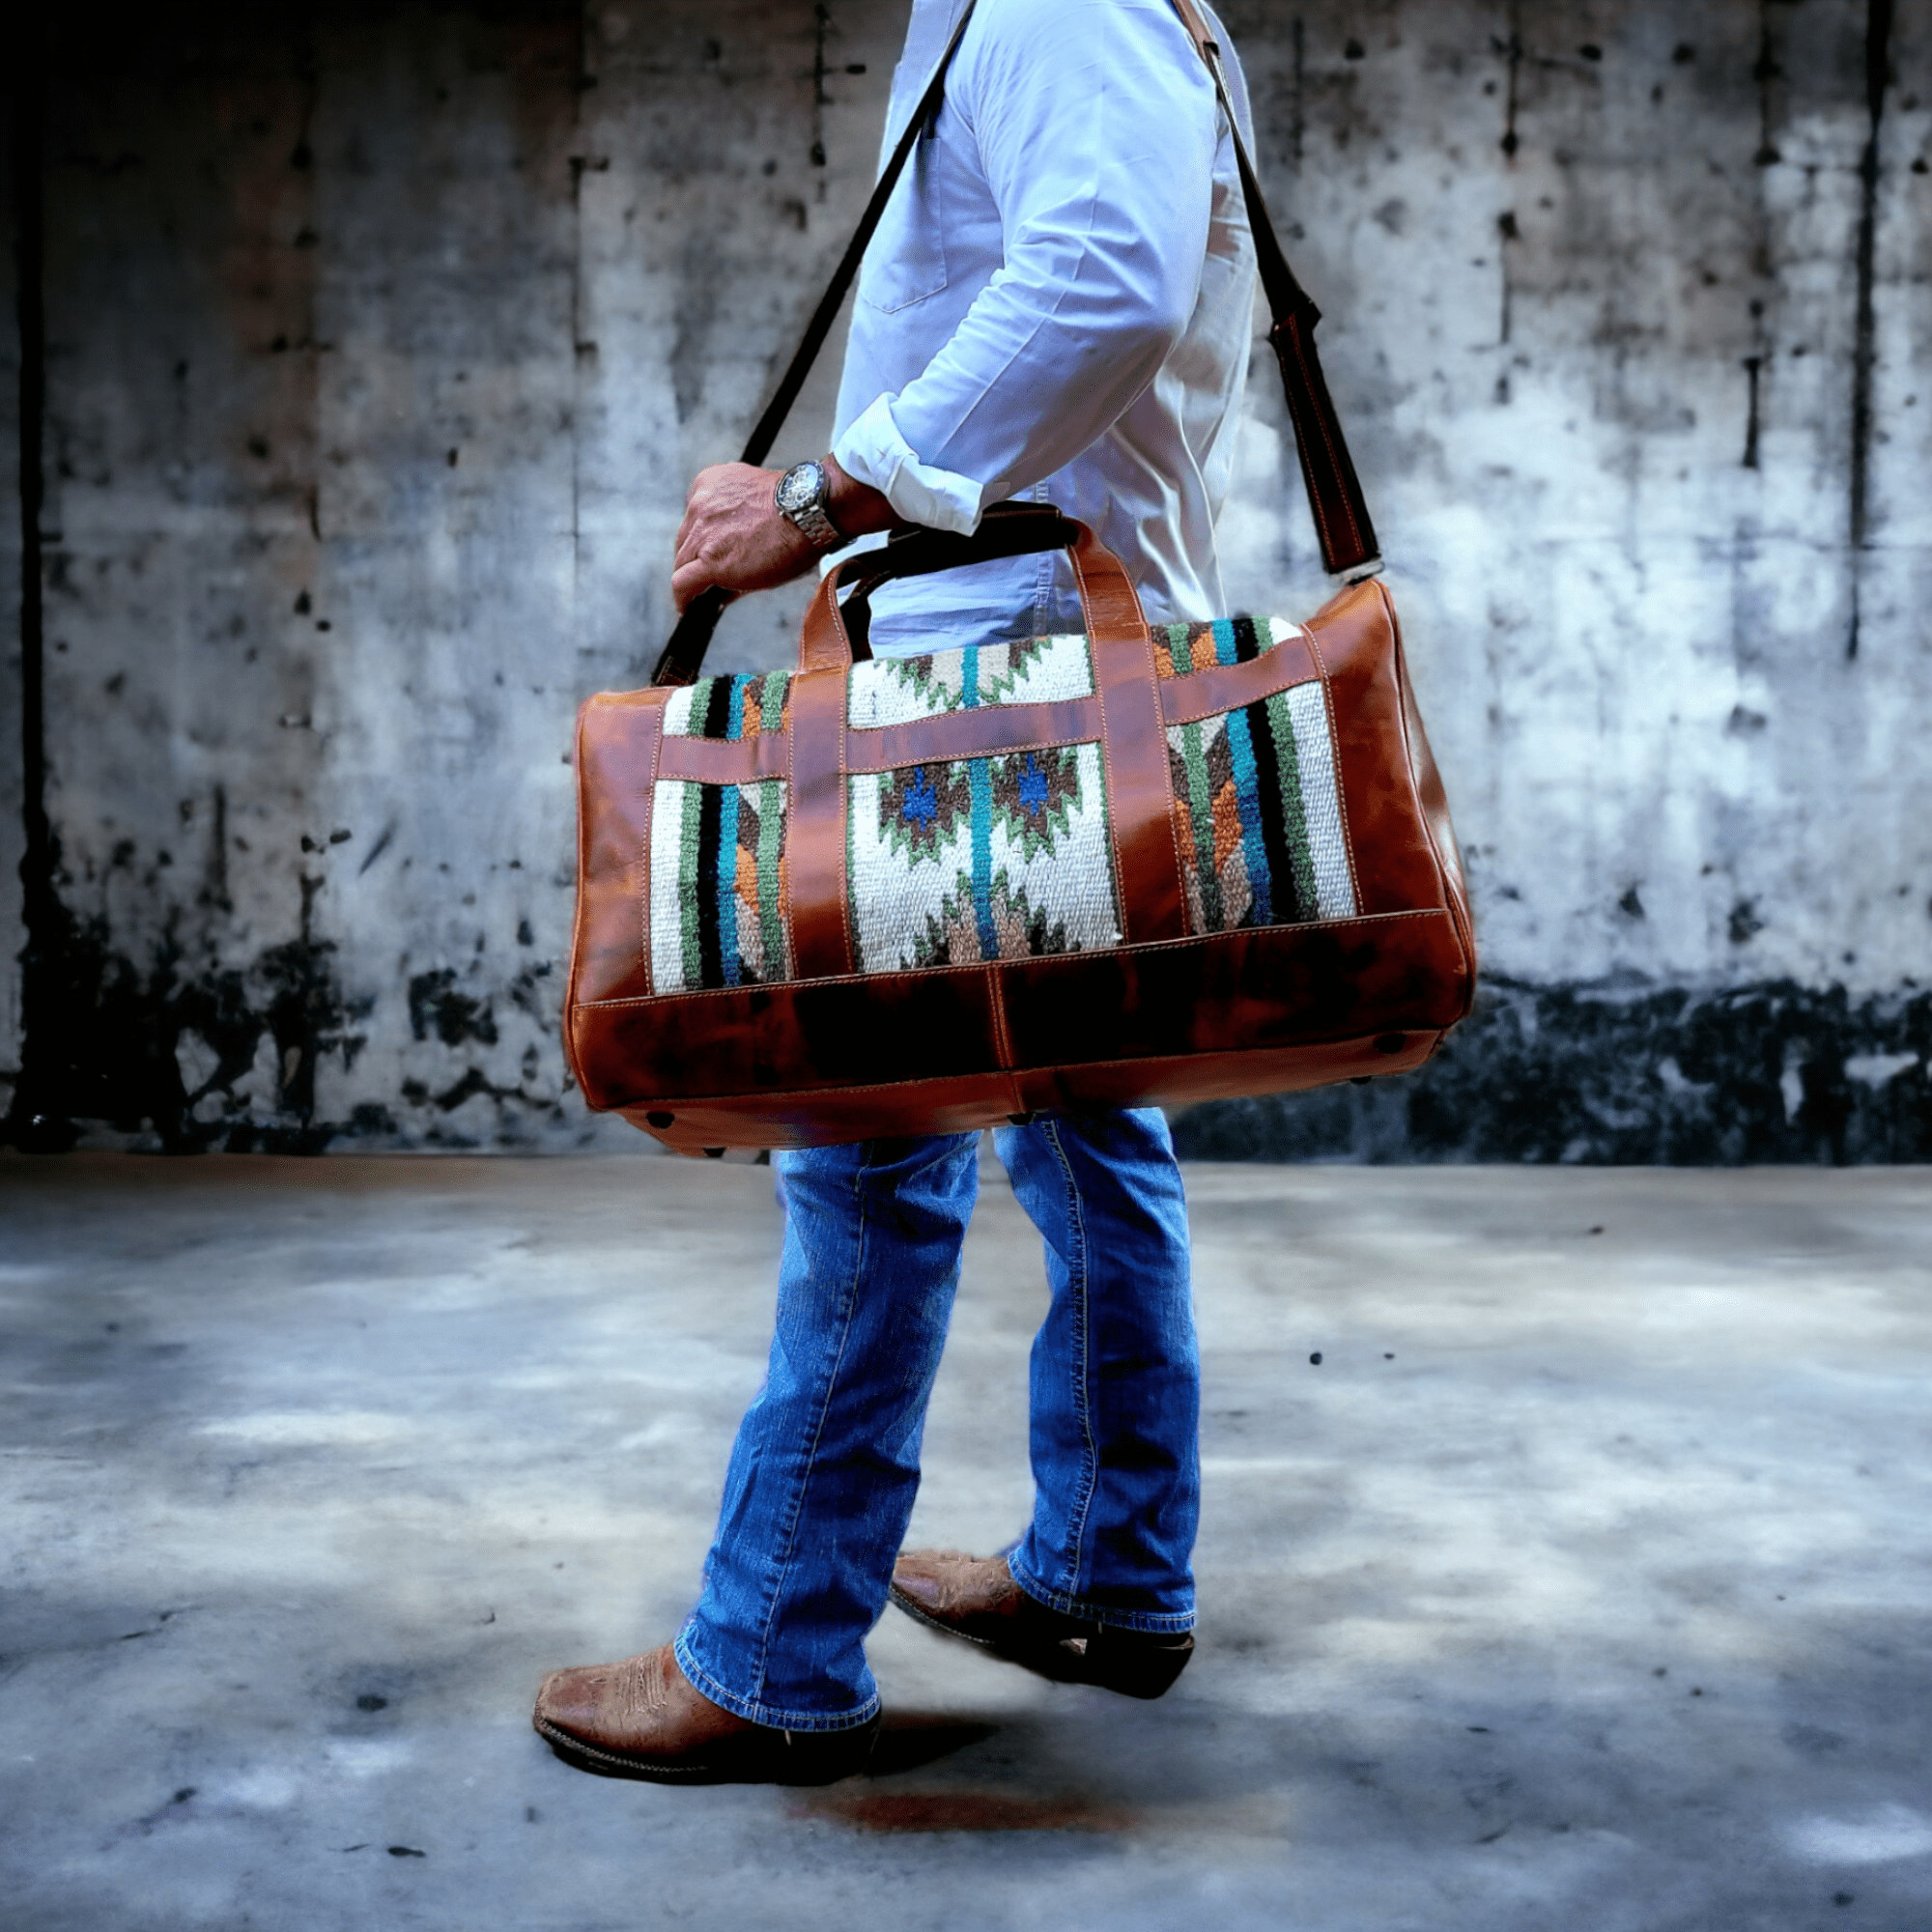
point(932, 893)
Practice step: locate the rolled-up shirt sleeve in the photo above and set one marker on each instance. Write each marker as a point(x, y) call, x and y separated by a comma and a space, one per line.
point(1094, 121)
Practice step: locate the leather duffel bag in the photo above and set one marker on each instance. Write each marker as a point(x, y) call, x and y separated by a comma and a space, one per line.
point(929, 894)
point(921, 895)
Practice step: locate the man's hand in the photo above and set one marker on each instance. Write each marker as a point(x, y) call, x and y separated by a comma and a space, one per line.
point(732, 535)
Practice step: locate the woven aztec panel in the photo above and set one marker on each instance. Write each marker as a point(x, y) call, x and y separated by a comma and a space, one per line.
point(901, 690)
point(728, 707)
point(997, 857)
point(1259, 818)
point(718, 887)
point(1181, 649)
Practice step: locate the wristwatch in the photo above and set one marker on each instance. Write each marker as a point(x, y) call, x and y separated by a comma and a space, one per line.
point(801, 500)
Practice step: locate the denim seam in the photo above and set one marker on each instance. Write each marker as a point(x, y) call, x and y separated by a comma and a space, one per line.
point(755, 1711)
point(1151, 1623)
point(822, 1405)
point(1090, 1463)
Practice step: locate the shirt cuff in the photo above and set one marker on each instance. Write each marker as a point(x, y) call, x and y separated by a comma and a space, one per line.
point(873, 451)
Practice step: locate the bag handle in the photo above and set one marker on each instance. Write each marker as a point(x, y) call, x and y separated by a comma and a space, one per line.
point(1107, 598)
point(1005, 529)
point(1335, 499)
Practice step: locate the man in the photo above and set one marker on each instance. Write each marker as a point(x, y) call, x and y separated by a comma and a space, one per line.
point(1057, 307)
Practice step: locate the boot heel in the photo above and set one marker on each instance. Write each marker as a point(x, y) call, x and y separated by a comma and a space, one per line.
point(1135, 1663)
point(824, 1757)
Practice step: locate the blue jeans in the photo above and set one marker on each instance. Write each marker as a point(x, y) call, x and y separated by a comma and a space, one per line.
point(825, 1463)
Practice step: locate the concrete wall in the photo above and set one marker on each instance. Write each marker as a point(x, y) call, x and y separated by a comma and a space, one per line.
point(383, 339)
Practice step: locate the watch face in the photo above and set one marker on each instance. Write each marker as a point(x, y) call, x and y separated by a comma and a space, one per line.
point(800, 487)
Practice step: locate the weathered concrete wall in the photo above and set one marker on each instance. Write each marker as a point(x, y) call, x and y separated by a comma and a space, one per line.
point(11, 740)
point(382, 341)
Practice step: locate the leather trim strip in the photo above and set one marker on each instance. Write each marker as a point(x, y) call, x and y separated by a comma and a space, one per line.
point(1204, 693)
point(999, 728)
point(821, 934)
point(767, 755)
point(974, 734)
point(1140, 804)
point(995, 730)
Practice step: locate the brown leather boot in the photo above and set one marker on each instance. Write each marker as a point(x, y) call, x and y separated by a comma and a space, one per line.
point(642, 1719)
point(976, 1598)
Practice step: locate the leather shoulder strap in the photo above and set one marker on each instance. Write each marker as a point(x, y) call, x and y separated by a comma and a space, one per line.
point(1335, 499)
point(683, 655)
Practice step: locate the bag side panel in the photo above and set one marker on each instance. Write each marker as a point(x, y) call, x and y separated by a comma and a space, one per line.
point(1433, 802)
point(785, 1040)
point(1394, 858)
point(964, 1106)
point(1252, 990)
point(618, 737)
point(788, 1047)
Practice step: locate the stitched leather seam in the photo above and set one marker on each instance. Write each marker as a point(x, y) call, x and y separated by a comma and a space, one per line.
point(1113, 796)
point(1002, 1045)
point(862, 765)
point(792, 829)
point(1398, 667)
point(1106, 746)
point(580, 913)
point(919, 975)
point(1180, 712)
point(874, 757)
point(1173, 829)
point(845, 823)
point(768, 1100)
point(644, 855)
point(1183, 700)
point(746, 753)
point(802, 820)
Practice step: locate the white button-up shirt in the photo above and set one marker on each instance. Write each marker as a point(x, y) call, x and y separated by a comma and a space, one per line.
point(1058, 305)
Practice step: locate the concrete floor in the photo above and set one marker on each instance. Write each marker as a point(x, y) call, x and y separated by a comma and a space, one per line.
point(1584, 1582)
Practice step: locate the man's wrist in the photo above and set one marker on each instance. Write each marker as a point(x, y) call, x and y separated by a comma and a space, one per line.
point(856, 508)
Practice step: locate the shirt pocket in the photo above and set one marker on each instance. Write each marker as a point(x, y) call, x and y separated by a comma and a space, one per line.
point(906, 260)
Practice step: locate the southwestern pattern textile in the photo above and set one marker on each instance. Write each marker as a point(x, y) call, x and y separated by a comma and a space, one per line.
point(1003, 857)
point(717, 906)
point(1180, 651)
point(728, 707)
point(901, 690)
point(1260, 823)
point(997, 857)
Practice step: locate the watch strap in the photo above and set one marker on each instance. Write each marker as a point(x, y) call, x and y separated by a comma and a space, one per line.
point(813, 517)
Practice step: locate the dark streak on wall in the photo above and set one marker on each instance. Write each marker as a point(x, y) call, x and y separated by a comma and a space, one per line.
point(1776, 1072)
point(113, 1054)
point(42, 966)
point(1878, 71)
point(1765, 72)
